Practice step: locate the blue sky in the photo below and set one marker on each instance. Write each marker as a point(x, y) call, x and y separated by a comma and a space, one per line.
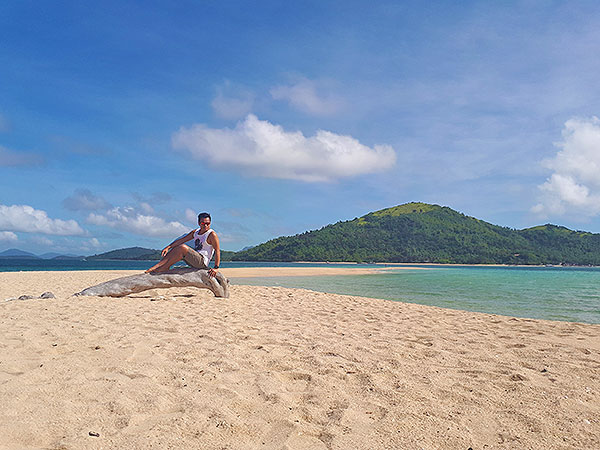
point(120, 121)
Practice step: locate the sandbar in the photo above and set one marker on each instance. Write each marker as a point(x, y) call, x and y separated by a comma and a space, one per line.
point(272, 367)
point(253, 272)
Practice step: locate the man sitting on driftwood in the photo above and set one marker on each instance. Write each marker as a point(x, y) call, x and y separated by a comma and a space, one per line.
point(159, 276)
point(206, 243)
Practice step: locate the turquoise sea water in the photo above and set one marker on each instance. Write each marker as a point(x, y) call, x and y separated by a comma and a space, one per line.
point(570, 294)
point(554, 293)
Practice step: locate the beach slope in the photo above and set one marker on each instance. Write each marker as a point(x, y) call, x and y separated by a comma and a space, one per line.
point(283, 368)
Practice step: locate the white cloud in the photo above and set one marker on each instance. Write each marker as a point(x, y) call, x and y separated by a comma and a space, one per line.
point(10, 158)
point(94, 243)
point(90, 245)
point(83, 199)
point(128, 219)
point(30, 220)
point(146, 208)
point(261, 148)
point(303, 96)
point(191, 216)
point(574, 185)
point(232, 102)
point(8, 236)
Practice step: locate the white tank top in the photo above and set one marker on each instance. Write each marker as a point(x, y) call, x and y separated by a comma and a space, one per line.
point(203, 247)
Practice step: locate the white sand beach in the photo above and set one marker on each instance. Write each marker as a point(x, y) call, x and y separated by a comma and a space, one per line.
point(285, 368)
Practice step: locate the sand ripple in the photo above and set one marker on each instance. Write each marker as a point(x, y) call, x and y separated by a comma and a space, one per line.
point(284, 368)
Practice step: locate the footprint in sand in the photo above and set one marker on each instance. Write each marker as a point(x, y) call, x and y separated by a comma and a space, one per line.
point(516, 346)
point(279, 433)
point(141, 423)
point(518, 377)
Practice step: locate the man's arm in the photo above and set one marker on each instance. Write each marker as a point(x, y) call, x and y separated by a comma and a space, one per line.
point(179, 241)
point(213, 240)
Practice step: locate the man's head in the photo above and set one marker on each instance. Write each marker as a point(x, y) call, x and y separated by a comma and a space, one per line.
point(204, 220)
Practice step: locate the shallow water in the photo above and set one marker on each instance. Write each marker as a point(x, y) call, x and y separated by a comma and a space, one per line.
point(570, 294)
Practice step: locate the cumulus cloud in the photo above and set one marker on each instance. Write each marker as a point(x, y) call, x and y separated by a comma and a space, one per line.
point(574, 185)
point(191, 215)
point(303, 96)
point(129, 219)
point(8, 236)
point(260, 148)
point(90, 245)
point(10, 158)
point(83, 199)
point(94, 243)
point(146, 208)
point(30, 220)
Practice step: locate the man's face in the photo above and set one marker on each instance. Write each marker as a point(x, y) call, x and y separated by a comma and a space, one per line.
point(204, 223)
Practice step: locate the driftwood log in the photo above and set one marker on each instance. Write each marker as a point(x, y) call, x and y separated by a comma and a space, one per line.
point(120, 287)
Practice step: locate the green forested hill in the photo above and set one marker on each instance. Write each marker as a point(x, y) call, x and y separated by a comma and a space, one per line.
point(419, 232)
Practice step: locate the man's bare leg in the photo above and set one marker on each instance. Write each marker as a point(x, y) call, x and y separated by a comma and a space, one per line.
point(175, 254)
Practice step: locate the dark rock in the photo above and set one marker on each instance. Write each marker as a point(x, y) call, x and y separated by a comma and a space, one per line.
point(47, 295)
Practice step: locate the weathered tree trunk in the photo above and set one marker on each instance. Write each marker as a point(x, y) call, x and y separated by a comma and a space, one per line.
point(120, 287)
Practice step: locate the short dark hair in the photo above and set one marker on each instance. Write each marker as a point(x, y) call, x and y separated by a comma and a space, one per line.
point(204, 216)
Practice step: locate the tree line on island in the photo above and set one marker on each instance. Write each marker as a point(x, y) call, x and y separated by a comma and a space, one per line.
point(418, 233)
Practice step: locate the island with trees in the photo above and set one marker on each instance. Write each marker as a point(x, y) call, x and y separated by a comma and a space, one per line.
point(416, 233)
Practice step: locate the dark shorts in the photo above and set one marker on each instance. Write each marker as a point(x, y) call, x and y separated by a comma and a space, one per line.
point(194, 259)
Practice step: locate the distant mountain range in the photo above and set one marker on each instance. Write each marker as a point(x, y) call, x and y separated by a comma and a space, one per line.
point(413, 232)
point(131, 253)
point(14, 253)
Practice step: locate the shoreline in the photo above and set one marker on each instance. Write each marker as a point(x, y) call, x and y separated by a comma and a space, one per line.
point(251, 272)
point(274, 367)
point(329, 263)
